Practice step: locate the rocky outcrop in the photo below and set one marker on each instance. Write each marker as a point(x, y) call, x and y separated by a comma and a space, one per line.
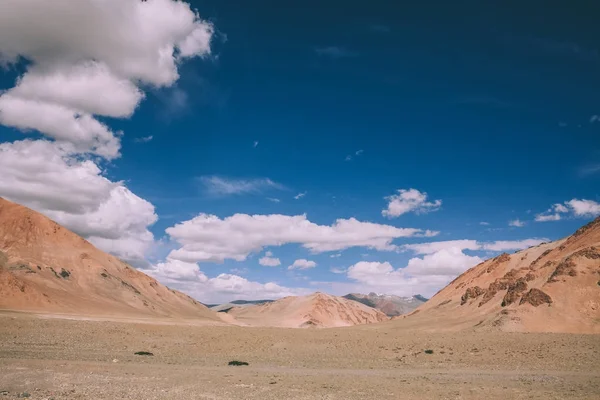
point(471, 293)
point(515, 290)
point(536, 298)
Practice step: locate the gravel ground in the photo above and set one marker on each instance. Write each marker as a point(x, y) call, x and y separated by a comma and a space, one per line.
point(73, 359)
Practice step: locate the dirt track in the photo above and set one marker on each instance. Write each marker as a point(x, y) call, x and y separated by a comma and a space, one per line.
point(70, 359)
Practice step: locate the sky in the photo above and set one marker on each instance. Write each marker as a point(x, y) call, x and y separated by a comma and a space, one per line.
point(248, 150)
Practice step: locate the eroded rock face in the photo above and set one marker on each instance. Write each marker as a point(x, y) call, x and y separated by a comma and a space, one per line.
point(471, 293)
point(515, 290)
point(536, 298)
point(566, 267)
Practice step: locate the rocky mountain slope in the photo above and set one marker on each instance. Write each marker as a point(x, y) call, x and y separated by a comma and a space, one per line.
point(390, 305)
point(552, 287)
point(44, 267)
point(318, 310)
point(225, 307)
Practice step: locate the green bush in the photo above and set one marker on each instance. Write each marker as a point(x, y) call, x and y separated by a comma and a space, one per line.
point(143, 353)
point(238, 363)
point(428, 351)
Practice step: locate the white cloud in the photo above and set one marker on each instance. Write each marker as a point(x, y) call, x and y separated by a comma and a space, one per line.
point(188, 278)
point(594, 118)
point(210, 238)
point(300, 195)
point(547, 217)
point(273, 199)
point(269, 261)
point(220, 186)
point(61, 123)
point(338, 270)
point(507, 245)
point(449, 262)
point(409, 200)
point(516, 223)
point(144, 139)
point(359, 152)
point(584, 208)
point(348, 158)
point(473, 245)
point(484, 223)
point(255, 143)
point(433, 247)
point(269, 254)
point(577, 208)
point(302, 264)
point(87, 58)
point(559, 208)
point(135, 39)
point(421, 276)
point(337, 255)
point(47, 177)
point(88, 87)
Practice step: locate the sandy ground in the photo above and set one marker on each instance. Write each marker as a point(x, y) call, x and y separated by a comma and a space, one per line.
point(85, 359)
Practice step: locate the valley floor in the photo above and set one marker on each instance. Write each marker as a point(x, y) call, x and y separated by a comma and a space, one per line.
point(84, 359)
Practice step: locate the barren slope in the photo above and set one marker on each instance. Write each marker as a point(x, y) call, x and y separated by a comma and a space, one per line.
point(553, 287)
point(44, 267)
point(390, 305)
point(317, 310)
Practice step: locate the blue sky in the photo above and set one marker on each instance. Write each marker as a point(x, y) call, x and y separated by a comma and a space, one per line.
point(490, 111)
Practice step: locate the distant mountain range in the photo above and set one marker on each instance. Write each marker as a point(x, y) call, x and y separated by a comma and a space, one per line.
point(390, 305)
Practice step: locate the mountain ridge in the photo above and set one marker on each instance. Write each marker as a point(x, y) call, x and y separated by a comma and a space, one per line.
point(45, 267)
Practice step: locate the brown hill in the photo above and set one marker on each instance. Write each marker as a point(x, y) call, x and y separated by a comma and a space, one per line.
point(317, 310)
point(44, 267)
point(552, 287)
point(390, 305)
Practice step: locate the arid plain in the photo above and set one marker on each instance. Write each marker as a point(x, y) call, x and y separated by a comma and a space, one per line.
point(50, 358)
point(518, 326)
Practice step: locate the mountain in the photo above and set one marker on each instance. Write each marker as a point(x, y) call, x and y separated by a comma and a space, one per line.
point(552, 287)
point(318, 310)
point(44, 267)
point(390, 305)
point(225, 307)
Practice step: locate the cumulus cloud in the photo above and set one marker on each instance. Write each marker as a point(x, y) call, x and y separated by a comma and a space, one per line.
point(409, 200)
point(87, 58)
point(188, 278)
point(221, 186)
point(421, 275)
point(584, 208)
point(47, 177)
point(575, 207)
point(517, 223)
point(433, 247)
point(269, 261)
point(210, 238)
point(302, 264)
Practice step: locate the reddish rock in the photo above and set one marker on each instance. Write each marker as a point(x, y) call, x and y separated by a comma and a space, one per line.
point(471, 293)
point(536, 297)
point(514, 292)
point(566, 267)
